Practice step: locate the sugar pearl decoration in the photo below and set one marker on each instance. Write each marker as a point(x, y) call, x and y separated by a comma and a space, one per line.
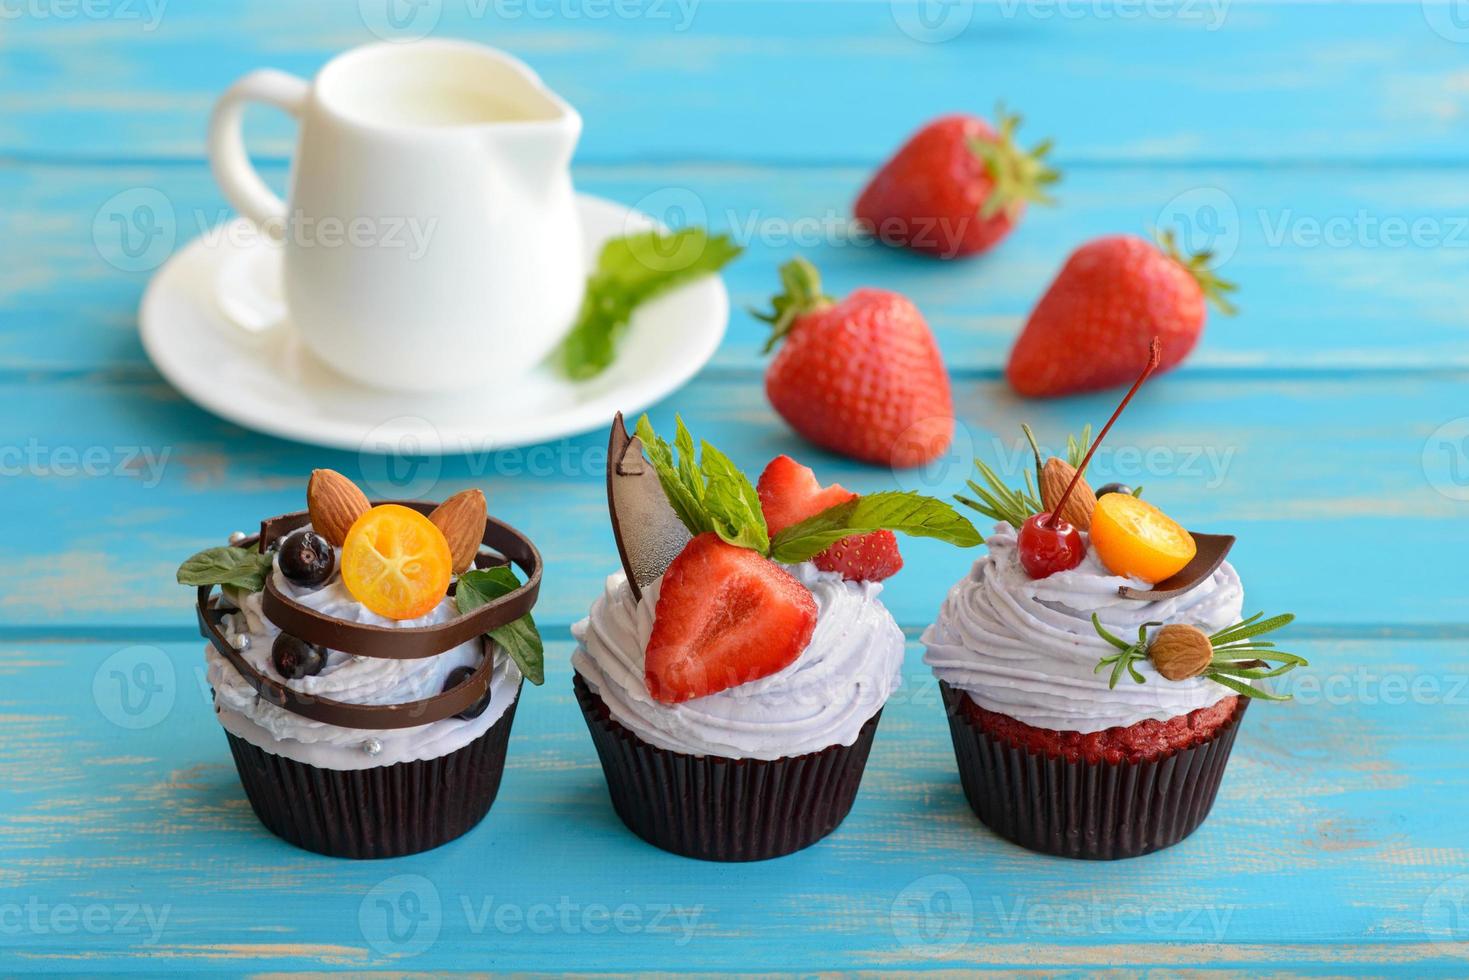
point(236, 537)
point(372, 746)
point(240, 642)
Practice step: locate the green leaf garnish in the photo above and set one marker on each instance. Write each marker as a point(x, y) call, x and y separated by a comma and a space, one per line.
point(630, 271)
point(707, 494)
point(907, 513)
point(227, 565)
point(519, 638)
point(1239, 658)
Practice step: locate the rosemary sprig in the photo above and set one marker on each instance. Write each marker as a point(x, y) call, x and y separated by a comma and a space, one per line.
point(997, 501)
point(1127, 655)
point(1239, 657)
point(1076, 447)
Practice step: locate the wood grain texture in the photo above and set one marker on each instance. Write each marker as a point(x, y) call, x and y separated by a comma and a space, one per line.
point(1321, 150)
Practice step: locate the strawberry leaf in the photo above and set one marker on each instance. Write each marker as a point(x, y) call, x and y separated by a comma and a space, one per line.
point(630, 271)
point(518, 638)
point(907, 513)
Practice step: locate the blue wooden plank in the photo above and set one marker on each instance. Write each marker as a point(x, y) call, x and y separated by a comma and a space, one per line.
point(1324, 480)
point(1196, 80)
point(1332, 273)
point(1309, 858)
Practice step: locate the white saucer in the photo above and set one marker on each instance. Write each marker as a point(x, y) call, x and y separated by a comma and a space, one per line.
point(236, 365)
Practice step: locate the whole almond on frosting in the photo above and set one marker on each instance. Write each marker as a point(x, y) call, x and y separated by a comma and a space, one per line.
point(462, 519)
point(1055, 477)
point(1180, 652)
point(335, 503)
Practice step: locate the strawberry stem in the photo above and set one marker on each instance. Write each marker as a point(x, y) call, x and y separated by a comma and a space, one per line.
point(802, 295)
point(1216, 290)
point(1155, 354)
point(1019, 175)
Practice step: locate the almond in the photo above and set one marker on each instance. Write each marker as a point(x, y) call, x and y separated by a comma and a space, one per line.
point(1180, 652)
point(1055, 478)
point(335, 504)
point(462, 519)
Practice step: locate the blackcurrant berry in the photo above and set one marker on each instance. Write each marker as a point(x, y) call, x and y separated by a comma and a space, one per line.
point(458, 676)
point(1114, 488)
point(294, 657)
point(307, 558)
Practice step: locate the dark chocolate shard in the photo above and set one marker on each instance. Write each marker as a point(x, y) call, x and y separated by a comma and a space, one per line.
point(1213, 549)
point(649, 534)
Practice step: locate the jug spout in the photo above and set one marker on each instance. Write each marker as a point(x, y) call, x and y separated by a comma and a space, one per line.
point(537, 153)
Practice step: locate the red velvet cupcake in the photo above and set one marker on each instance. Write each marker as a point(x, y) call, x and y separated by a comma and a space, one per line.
point(1094, 664)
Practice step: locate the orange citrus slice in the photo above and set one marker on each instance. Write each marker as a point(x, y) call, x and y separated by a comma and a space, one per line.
point(1134, 538)
point(396, 562)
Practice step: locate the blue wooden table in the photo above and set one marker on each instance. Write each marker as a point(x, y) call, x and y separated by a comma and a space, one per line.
point(1322, 151)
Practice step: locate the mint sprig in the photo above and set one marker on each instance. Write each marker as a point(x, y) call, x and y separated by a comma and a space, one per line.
point(630, 271)
point(713, 495)
point(707, 492)
point(904, 512)
point(519, 638)
point(241, 568)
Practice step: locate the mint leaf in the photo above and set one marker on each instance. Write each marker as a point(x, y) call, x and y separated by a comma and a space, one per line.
point(520, 638)
point(907, 513)
point(731, 501)
point(708, 493)
point(685, 493)
point(227, 565)
point(630, 271)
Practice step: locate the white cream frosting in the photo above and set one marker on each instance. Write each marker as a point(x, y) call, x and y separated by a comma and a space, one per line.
point(357, 680)
point(843, 677)
point(1027, 648)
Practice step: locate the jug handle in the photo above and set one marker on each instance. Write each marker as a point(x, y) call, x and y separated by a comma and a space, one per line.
point(234, 173)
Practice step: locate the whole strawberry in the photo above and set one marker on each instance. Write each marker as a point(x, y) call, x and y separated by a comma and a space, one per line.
point(955, 188)
point(862, 377)
point(1113, 295)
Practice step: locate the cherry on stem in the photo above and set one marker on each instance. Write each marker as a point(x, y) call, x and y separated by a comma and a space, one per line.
point(1046, 543)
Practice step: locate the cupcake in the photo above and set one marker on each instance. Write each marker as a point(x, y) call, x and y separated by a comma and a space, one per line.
point(366, 662)
point(1094, 664)
point(733, 674)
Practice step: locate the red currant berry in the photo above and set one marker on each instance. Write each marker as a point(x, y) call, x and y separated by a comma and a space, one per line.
point(1049, 546)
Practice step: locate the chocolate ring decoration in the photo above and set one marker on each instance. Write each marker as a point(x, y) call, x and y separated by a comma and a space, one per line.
point(378, 641)
point(1211, 551)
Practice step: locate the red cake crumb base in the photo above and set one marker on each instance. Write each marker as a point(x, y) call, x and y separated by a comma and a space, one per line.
point(1143, 742)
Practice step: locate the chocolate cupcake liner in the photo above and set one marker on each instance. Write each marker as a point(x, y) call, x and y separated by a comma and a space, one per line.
point(1094, 810)
point(385, 811)
point(718, 809)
